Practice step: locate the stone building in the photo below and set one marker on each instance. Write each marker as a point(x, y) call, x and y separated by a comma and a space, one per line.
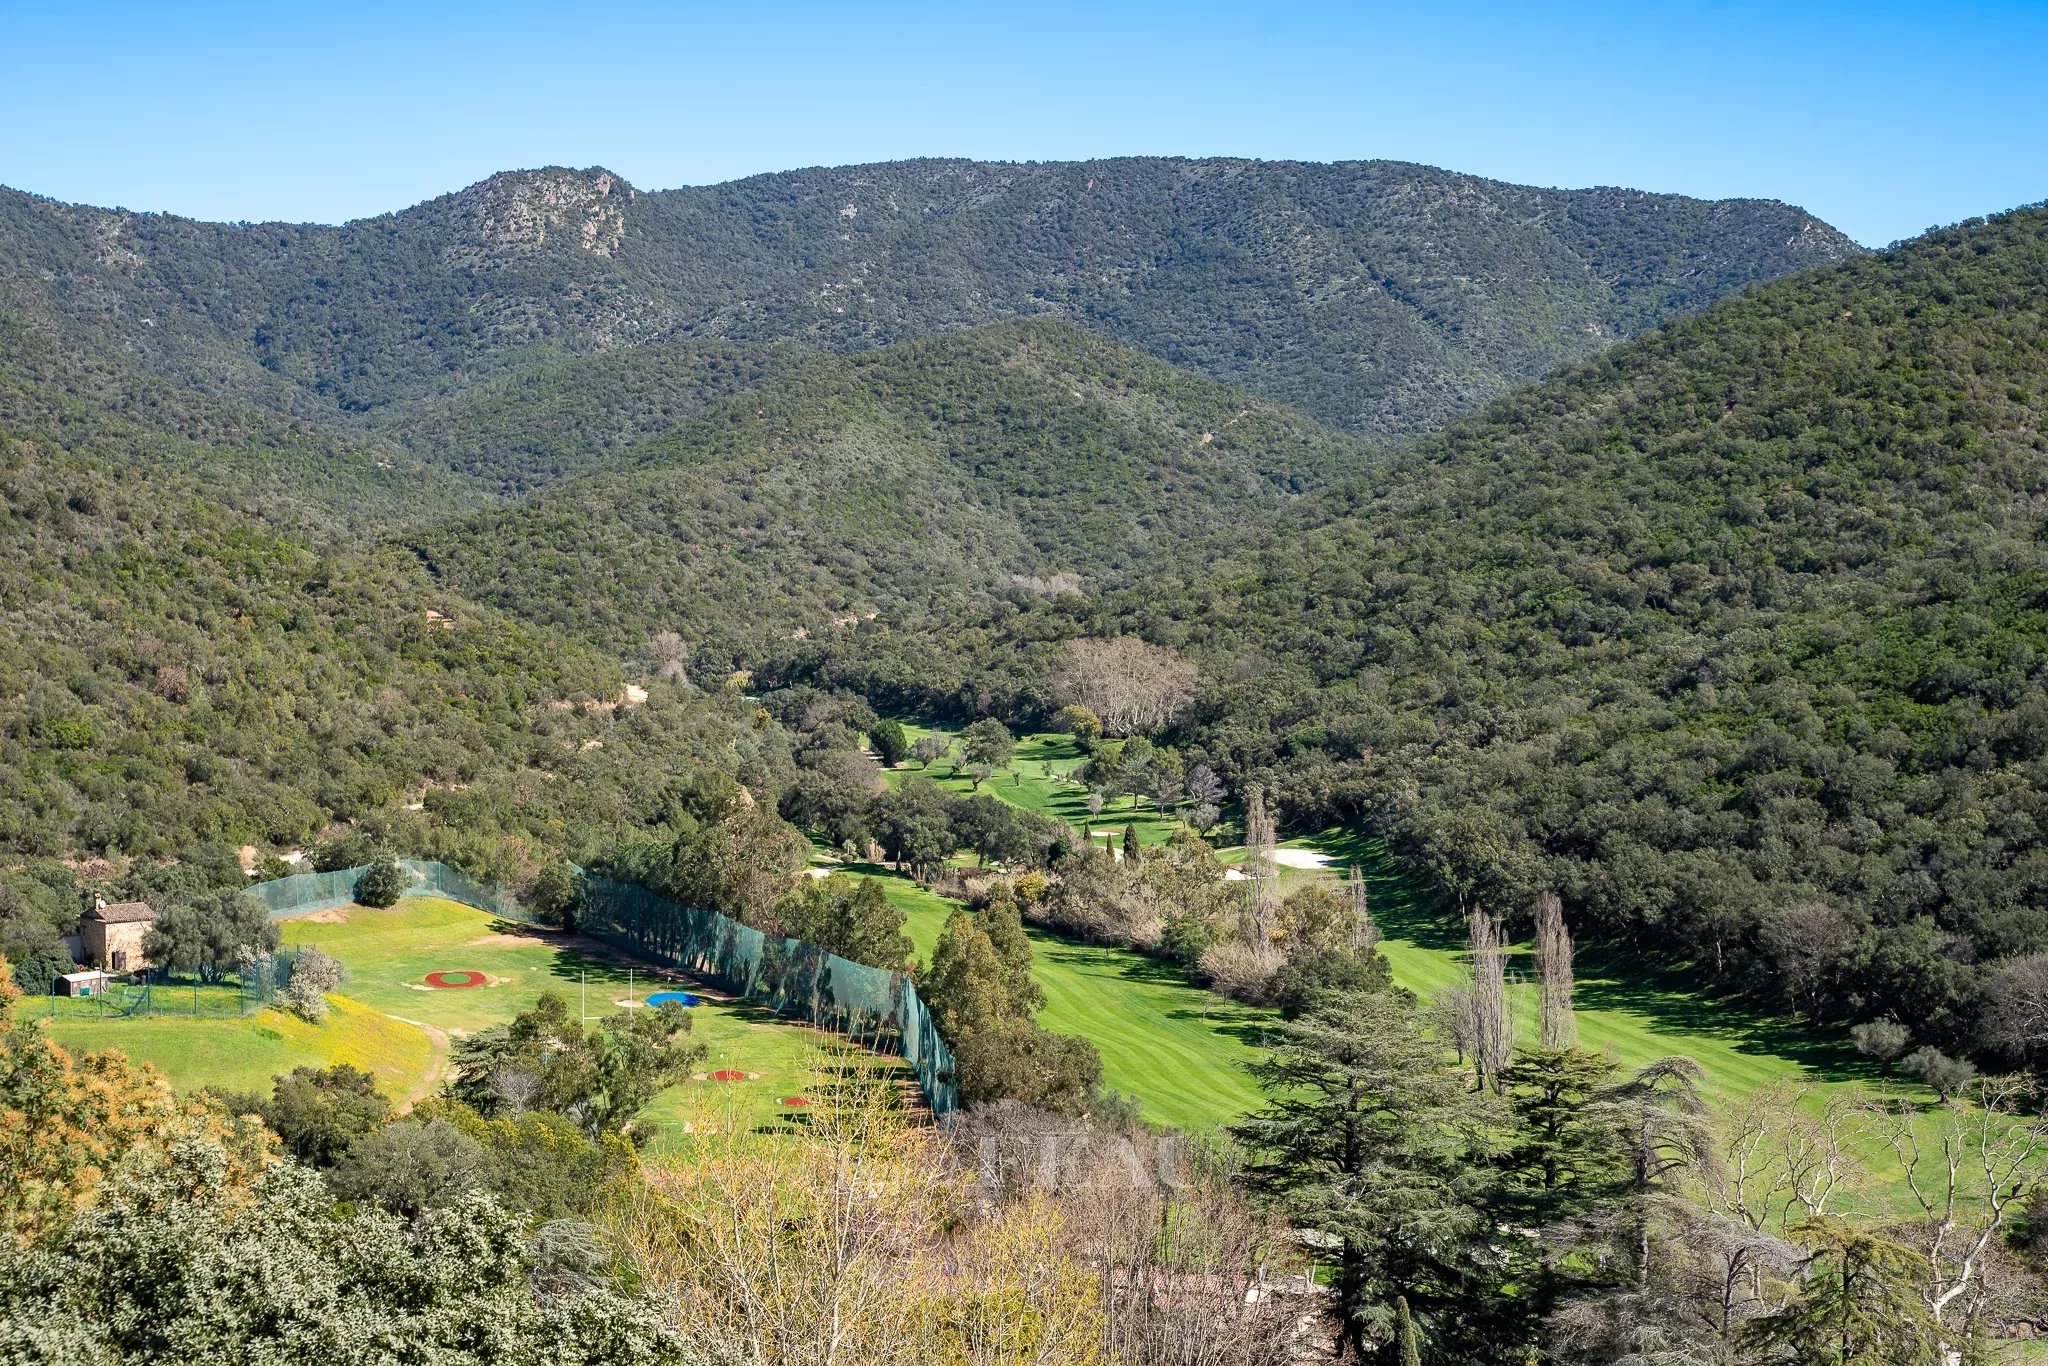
point(111, 936)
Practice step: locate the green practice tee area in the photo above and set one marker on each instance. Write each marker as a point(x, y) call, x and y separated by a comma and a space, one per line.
point(390, 1022)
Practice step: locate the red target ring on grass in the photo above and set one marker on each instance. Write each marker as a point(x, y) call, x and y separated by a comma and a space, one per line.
point(728, 1074)
point(451, 980)
point(796, 1102)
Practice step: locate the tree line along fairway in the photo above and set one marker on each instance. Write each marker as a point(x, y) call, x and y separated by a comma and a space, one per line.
point(1180, 1050)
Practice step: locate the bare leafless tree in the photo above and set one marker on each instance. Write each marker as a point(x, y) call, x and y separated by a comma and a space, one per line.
point(1493, 1025)
point(1133, 686)
point(1967, 1171)
point(2016, 1006)
point(1785, 1154)
point(515, 1087)
point(1365, 935)
point(670, 655)
point(1559, 1027)
point(1260, 842)
point(1188, 1271)
point(1450, 1014)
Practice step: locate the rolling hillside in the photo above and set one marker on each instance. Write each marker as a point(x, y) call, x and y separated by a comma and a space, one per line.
point(1735, 637)
point(1015, 460)
point(176, 673)
point(1382, 296)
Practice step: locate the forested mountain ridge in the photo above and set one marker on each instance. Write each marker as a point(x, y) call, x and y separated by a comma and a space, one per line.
point(1381, 296)
point(553, 419)
point(1010, 460)
point(1737, 637)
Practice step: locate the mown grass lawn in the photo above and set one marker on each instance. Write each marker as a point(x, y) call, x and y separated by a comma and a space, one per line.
point(1637, 1013)
point(244, 1054)
point(1038, 778)
point(387, 1021)
point(389, 953)
point(1179, 1051)
point(1630, 1010)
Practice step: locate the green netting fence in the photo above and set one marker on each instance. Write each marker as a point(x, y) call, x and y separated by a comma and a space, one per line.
point(304, 893)
point(874, 1007)
point(870, 1005)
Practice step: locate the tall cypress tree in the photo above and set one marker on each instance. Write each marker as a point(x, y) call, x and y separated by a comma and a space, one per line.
point(1407, 1347)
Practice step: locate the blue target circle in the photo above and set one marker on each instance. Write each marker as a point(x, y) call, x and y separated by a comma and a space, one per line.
point(672, 998)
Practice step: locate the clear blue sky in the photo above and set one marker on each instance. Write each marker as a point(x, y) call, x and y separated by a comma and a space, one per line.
point(1881, 118)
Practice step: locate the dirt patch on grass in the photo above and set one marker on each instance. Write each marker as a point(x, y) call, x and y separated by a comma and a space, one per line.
point(437, 1071)
point(333, 915)
point(510, 941)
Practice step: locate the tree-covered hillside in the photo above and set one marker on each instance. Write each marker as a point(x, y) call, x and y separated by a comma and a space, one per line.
point(555, 418)
point(1014, 460)
point(1737, 637)
point(286, 469)
point(1382, 296)
point(176, 676)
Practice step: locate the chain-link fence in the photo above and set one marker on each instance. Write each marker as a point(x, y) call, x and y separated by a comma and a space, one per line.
point(246, 990)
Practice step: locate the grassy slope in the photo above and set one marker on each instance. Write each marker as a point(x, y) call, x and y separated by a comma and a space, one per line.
point(389, 951)
point(244, 1054)
point(1623, 1010)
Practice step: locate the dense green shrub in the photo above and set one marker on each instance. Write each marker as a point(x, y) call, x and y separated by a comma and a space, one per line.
point(381, 884)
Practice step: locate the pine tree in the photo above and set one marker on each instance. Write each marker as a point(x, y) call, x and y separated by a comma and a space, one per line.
point(1370, 1137)
point(1565, 1135)
point(1861, 1303)
point(892, 745)
point(1565, 1157)
point(1132, 852)
point(1667, 1135)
